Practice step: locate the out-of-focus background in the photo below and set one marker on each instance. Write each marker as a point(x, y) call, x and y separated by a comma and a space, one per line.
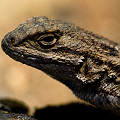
point(32, 86)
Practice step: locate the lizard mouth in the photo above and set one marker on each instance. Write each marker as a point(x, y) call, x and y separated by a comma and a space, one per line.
point(36, 61)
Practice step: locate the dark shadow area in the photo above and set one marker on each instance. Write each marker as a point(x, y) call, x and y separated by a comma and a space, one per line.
point(12, 109)
point(75, 111)
point(68, 111)
point(13, 105)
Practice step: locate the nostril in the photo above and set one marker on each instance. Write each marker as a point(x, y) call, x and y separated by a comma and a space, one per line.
point(12, 40)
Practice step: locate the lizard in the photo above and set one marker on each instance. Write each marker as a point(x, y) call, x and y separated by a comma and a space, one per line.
point(87, 63)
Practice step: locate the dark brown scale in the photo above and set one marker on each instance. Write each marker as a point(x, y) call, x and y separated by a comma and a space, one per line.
point(112, 50)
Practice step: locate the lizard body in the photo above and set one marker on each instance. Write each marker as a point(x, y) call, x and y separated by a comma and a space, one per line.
point(87, 63)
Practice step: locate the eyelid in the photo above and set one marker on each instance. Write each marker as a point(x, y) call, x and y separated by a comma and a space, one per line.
point(41, 38)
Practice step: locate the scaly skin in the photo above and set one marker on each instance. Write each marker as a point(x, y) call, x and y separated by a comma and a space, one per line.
point(87, 63)
point(5, 115)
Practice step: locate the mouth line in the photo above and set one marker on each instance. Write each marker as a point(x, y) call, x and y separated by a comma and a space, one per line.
point(16, 55)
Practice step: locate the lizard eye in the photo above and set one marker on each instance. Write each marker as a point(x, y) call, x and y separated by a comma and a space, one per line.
point(47, 41)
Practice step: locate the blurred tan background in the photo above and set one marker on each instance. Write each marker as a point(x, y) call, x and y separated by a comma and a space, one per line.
point(32, 86)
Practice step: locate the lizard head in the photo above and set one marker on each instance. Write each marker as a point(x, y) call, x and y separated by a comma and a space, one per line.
point(47, 45)
point(75, 57)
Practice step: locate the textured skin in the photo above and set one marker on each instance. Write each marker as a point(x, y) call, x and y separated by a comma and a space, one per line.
point(87, 63)
point(4, 115)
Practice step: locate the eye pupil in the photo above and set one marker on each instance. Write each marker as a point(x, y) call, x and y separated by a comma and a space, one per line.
point(49, 39)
